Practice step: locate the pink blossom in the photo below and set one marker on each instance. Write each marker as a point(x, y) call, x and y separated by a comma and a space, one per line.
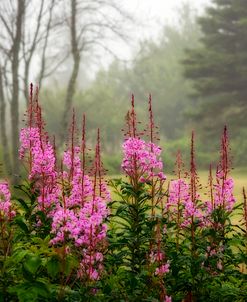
point(178, 193)
point(157, 256)
point(74, 201)
point(180, 200)
point(223, 194)
point(80, 218)
point(142, 158)
point(163, 269)
point(219, 265)
point(42, 153)
point(41, 157)
point(64, 225)
point(5, 203)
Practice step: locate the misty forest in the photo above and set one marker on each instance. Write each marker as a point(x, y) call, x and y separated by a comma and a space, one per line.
point(123, 155)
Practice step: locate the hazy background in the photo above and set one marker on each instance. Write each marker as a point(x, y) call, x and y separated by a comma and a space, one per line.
point(91, 55)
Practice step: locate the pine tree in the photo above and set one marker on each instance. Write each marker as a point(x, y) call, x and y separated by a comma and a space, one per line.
point(218, 68)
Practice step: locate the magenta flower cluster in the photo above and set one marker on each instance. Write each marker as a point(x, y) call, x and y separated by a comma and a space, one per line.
point(6, 211)
point(43, 158)
point(74, 201)
point(180, 202)
point(142, 158)
point(223, 192)
point(39, 153)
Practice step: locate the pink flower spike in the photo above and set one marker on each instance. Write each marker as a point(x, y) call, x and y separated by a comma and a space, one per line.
point(5, 203)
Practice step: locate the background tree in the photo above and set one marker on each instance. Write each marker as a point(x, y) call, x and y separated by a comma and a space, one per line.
point(32, 48)
point(157, 70)
point(11, 35)
point(22, 38)
point(218, 68)
point(90, 24)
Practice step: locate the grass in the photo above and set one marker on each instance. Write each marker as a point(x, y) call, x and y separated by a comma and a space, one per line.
point(240, 180)
point(239, 176)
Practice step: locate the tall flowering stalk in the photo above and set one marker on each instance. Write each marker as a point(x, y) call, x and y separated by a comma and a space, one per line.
point(162, 266)
point(73, 201)
point(178, 196)
point(223, 196)
point(80, 217)
point(182, 205)
point(157, 179)
point(190, 206)
point(184, 214)
point(221, 192)
point(141, 199)
point(245, 211)
point(141, 160)
point(243, 228)
point(219, 209)
point(97, 229)
point(39, 154)
point(7, 214)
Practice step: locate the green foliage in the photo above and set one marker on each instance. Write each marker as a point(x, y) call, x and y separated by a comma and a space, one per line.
point(33, 270)
point(218, 71)
point(130, 234)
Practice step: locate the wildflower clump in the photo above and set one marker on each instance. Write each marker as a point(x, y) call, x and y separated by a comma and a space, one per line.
point(139, 211)
point(64, 239)
point(68, 201)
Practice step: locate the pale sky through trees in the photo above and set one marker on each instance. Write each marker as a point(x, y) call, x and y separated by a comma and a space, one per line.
point(150, 16)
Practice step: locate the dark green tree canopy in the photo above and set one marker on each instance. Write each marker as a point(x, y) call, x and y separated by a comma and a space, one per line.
point(219, 66)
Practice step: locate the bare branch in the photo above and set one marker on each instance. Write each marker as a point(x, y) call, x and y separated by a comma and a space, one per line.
point(7, 27)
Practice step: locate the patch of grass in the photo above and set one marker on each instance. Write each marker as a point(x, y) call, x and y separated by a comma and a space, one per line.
point(240, 180)
point(239, 175)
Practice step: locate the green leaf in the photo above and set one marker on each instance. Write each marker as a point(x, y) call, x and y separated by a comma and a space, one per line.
point(32, 263)
point(19, 255)
point(20, 221)
point(70, 264)
point(23, 204)
point(30, 291)
point(53, 267)
point(42, 216)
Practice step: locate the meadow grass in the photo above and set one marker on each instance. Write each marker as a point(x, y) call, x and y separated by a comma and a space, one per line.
point(239, 175)
point(240, 180)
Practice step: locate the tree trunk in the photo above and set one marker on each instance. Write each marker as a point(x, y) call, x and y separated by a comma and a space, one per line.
point(14, 110)
point(4, 139)
point(74, 74)
point(69, 99)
